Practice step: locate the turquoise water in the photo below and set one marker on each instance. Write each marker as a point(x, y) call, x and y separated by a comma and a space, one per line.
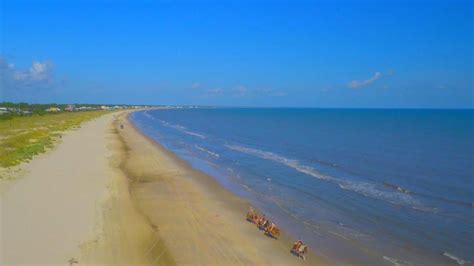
point(362, 186)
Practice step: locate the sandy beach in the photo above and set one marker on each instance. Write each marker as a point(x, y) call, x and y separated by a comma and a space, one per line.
point(73, 203)
point(108, 196)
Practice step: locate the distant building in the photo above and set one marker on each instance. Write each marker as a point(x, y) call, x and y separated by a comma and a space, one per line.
point(53, 109)
point(4, 110)
point(70, 108)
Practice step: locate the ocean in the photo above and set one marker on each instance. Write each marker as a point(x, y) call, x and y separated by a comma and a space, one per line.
point(361, 186)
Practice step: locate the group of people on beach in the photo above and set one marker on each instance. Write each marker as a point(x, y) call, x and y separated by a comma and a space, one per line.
point(271, 229)
point(263, 223)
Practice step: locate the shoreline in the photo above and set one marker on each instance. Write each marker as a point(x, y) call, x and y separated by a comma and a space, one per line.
point(205, 200)
point(106, 195)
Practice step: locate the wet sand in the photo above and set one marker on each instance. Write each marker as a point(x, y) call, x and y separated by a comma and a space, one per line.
point(199, 221)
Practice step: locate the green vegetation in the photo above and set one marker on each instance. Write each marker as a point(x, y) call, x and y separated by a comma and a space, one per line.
point(22, 137)
point(34, 108)
point(25, 109)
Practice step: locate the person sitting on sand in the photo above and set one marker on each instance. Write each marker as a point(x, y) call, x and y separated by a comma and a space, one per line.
point(252, 216)
point(261, 220)
point(271, 227)
point(266, 223)
point(251, 213)
point(254, 219)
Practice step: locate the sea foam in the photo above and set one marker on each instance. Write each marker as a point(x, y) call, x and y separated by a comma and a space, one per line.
point(456, 259)
point(394, 261)
point(148, 115)
point(182, 129)
point(206, 151)
point(194, 134)
point(364, 188)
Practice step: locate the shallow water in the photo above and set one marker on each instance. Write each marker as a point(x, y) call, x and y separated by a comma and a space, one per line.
point(361, 186)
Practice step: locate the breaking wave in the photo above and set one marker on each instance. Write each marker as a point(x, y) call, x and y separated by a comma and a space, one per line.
point(371, 190)
point(394, 261)
point(206, 151)
point(459, 261)
point(435, 197)
point(283, 160)
point(363, 188)
point(397, 188)
point(167, 124)
point(181, 128)
point(148, 115)
point(194, 134)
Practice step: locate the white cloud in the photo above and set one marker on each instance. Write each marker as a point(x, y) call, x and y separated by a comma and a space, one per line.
point(363, 83)
point(38, 74)
point(40, 70)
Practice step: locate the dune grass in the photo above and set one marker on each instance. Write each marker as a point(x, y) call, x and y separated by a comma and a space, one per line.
point(21, 138)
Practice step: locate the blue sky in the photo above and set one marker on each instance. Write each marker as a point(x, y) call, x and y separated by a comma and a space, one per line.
point(387, 54)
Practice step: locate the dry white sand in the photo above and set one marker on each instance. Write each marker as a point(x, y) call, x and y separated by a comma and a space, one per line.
point(73, 202)
point(51, 210)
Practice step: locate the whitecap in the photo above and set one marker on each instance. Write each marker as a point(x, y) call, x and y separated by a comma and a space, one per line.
point(247, 187)
point(393, 261)
point(278, 158)
point(458, 260)
point(148, 115)
point(363, 188)
point(182, 129)
point(371, 190)
point(194, 134)
point(206, 151)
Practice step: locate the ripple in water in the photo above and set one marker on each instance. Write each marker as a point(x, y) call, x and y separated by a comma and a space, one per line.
point(363, 188)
